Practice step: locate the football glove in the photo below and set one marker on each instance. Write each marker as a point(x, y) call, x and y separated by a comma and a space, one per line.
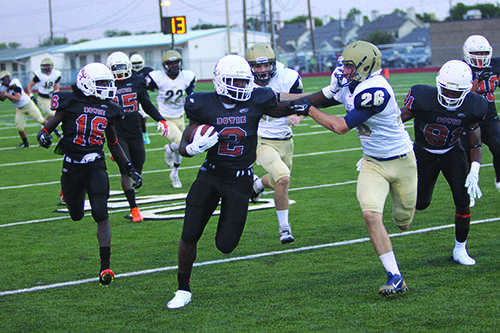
point(300, 107)
point(132, 173)
point(202, 142)
point(162, 127)
point(33, 98)
point(336, 80)
point(44, 138)
point(472, 183)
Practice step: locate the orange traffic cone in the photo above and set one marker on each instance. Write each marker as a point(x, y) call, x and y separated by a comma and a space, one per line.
point(386, 73)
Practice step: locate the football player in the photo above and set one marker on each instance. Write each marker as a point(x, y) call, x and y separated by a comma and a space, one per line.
point(388, 164)
point(275, 142)
point(131, 94)
point(173, 84)
point(88, 119)
point(441, 114)
point(139, 68)
point(485, 70)
point(13, 90)
point(226, 175)
point(47, 81)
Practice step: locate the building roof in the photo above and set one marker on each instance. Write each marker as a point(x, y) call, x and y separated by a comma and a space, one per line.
point(16, 54)
point(418, 35)
point(389, 22)
point(139, 41)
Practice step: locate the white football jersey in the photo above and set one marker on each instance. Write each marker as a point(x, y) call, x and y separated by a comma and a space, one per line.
point(47, 82)
point(383, 134)
point(277, 128)
point(171, 93)
point(25, 99)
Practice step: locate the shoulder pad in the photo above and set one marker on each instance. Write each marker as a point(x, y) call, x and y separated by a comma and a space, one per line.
point(61, 100)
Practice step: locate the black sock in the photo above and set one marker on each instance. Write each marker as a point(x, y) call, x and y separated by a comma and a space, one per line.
point(130, 194)
point(184, 280)
point(105, 255)
point(25, 141)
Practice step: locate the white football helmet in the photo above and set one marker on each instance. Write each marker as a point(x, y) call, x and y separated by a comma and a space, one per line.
point(137, 62)
point(454, 82)
point(227, 71)
point(120, 65)
point(477, 44)
point(96, 79)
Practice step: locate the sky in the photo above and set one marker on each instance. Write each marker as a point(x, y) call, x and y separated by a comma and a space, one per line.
point(28, 21)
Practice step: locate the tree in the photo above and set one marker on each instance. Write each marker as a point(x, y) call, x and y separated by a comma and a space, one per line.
point(206, 26)
point(303, 18)
point(380, 37)
point(353, 12)
point(427, 17)
point(115, 33)
point(57, 41)
point(13, 45)
point(459, 11)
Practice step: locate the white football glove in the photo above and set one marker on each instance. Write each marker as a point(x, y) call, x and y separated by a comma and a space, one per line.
point(358, 164)
point(336, 81)
point(472, 183)
point(202, 142)
point(162, 127)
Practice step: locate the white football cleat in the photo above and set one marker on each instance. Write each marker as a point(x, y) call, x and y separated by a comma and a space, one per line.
point(256, 191)
point(462, 257)
point(286, 236)
point(176, 182)
point(169, 156)
point(497, 184)
point(180, 300)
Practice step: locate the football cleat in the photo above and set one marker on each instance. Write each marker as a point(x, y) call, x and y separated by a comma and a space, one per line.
point(23, 145)
point(256, 191)
point(169, 156)
point(176, 182)
point(145, 137)
point(395, 285)
point(106, 277)
point(286, 236)
point(462, 257)
point(180, 300)
point(497, 184)
point(136, 215)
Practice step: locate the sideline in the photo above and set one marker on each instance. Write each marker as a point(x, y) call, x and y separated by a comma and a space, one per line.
point(222, 261)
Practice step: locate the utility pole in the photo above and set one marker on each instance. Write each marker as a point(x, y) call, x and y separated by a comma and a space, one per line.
point(312, 33)
point(272, 23)
point(50, 20)
point(228, 30)
point(245, 37)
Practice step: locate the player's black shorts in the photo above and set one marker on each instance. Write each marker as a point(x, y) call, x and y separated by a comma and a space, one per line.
point(79, 179)
point(453, 165)
point(233, 189)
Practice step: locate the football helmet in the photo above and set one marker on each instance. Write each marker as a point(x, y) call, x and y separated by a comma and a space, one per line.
point(233, 78)
point(96, 79)
point(46, 65)
point(137, 62)
point(4, 74)
point(361, 60)
point(172, 62)
point(120, 65)
point(477, 51)
point(262, 53)
point(454, 82)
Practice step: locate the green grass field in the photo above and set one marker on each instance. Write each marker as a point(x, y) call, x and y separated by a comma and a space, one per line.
point(326, 281)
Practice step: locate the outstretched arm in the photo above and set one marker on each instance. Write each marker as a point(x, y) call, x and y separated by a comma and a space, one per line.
point(333, 123)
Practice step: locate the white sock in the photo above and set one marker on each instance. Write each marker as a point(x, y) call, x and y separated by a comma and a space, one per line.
point(460, 246)
point(389, 261)
point(175, 171)
point(259, 185)
point(177, 157)
point(283, 219)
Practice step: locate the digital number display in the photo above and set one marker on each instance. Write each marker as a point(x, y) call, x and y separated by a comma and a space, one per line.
point(173, 25)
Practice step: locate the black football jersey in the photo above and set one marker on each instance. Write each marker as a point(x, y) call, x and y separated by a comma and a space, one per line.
point(487, 82)
point(237, 127)
point(129, 94)
point(435, 126)
point(84, 123)
point(144, 71)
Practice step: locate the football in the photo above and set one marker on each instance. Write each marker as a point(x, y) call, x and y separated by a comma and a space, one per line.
point(204, 129)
